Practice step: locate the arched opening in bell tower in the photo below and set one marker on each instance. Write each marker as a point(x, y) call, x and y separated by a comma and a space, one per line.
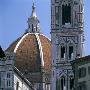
point(66, 14)
point(62, 51)
point(70, 52)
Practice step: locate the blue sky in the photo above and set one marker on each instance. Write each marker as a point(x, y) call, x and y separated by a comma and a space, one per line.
point(14, 15)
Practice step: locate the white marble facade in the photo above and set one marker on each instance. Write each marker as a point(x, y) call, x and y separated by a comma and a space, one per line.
point(6, 72)
point(67, 40)
point(21, 83)
point(10, 77)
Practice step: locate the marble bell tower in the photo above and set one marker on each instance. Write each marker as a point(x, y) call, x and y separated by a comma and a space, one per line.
point(67, 41)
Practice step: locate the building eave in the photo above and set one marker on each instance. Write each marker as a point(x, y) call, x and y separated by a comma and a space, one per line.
point(23, 77)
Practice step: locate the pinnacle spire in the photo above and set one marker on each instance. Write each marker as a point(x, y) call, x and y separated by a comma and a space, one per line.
point(33, 22)
point(33, 11)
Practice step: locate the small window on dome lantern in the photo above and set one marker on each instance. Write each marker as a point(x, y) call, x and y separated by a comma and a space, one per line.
point(36, 27)
point(29, 26)
point(32, 27)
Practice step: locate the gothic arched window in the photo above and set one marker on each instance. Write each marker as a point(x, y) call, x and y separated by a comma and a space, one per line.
point(62, 51)
point(66, 14)
point(62, 83)
point(71, 82)
point(17, 85)
point(70, 52)
point(57, 84)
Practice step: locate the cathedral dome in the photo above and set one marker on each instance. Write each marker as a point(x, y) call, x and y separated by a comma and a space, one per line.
point(33, 52)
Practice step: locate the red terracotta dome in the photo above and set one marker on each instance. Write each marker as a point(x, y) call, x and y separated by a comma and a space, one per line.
point(33, 52)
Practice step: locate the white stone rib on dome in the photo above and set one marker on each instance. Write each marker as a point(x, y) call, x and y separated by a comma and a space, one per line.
point(20, 42)
point(40, 48)
point(39, 43)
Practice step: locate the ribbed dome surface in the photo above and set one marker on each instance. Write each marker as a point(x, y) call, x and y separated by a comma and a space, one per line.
point(33, 51)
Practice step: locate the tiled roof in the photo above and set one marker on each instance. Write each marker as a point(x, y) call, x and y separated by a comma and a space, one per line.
point(82, 59)
point(12, 46)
